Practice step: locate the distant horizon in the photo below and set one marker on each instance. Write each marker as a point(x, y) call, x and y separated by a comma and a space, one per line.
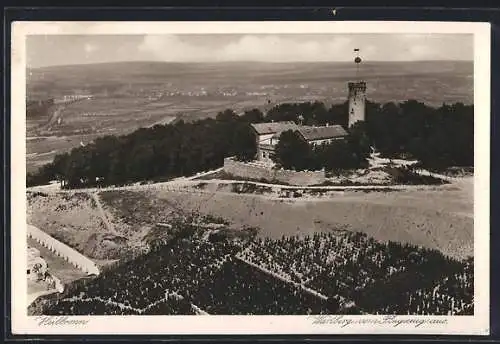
point(241, 62)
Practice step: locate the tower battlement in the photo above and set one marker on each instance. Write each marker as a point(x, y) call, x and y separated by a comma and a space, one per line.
point(358, 85)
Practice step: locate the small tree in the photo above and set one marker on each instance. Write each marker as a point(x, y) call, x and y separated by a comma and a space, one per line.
point(244, 142)
point(60, 167)
point(253, 116)
point(359, 141)
point(292, 152)
point(338, 155)
point(227, 115)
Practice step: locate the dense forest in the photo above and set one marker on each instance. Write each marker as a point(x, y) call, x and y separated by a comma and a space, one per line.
point(438, 137)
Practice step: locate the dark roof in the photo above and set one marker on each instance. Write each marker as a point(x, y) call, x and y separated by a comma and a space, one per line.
point(321, 133)
point(273, 127)
point(278, 134)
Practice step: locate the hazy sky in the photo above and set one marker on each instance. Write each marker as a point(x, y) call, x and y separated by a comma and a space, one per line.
point(49, 50)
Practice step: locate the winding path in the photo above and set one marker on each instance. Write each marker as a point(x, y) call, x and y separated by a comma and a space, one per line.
point(102, 213)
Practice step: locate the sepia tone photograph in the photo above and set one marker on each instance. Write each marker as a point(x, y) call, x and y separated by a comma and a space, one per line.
point(308, 174)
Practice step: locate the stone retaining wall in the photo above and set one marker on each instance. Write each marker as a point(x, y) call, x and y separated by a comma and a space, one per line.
point(71, 255)
point(254, 171)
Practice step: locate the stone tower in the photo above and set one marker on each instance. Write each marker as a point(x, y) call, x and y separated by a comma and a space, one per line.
point(357, 99)
point(357, 95)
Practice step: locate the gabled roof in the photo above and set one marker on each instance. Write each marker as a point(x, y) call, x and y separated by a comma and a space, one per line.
point(322, 133)
point(274, 127)
point(278, 134)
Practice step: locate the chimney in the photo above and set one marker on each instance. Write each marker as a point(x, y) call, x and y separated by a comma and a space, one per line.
point(327, 124)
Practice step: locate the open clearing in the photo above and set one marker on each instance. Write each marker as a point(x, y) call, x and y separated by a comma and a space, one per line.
point(76, 221)
point(439, 217)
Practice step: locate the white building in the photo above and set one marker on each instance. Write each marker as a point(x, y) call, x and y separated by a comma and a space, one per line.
point(266, 134)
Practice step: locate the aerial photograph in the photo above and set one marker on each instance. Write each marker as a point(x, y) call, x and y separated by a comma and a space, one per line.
point(250, 174)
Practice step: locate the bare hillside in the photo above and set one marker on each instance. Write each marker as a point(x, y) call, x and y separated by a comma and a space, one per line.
point(440, 219)
point(76, 221)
